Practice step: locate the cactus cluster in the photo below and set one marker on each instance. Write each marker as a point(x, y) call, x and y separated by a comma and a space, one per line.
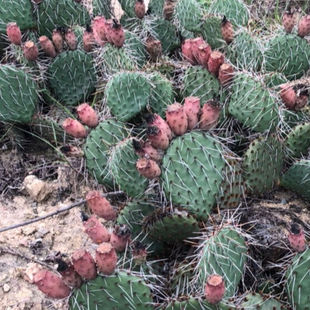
point(190, 114)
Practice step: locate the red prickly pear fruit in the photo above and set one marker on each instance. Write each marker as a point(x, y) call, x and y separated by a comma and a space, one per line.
point(14, 34)
point(296, 238)
point(51, 284)
point(195, 43)
point(148, 168)
point(157, 121)
point(120, 237)
point(304, 26)
point(95, 230)
point(226, 74)
point(88, 39)
point(140, 9)
point(227, 30)
point(210, 113)
point(288, 21)
point(106, 258)
point(71, 39)
point(108, 29)
point(100, 205)
point(47, 46)
point(288, 96)
point(168, 9)
point(68, 274)
point(84, 264)
point(154, 48)
point(203, 54)
point(30, 51)
point(192, 110)
point(145, 149)
point(117, 35)
point(74, 128)
point(87, 115)
point(214, 289)
point(177, 119)
point(99, 30)
point(158, 138)
point(58, 40)
point(216, 59)
point(187, 51)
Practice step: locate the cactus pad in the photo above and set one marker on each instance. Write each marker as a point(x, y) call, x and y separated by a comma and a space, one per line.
point(298, 140)
point(211, 31)
point(256, 301)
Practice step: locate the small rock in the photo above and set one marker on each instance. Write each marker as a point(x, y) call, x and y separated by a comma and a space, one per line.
point(6, 288)
point(36, 188)
point(30, 271)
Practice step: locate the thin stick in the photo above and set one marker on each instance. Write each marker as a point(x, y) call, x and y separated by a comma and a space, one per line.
point(61, 210)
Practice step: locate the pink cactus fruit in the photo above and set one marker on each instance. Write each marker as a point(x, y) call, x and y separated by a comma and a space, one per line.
point(157, 138)
point(296, 238)
point(148, 168)
point(214, 289)
point(215, 61)
point(74, 128)
point(203, 54)
point(140, 8)
point(84, 264)
point(30, 51)
point(158, 121)
point(288, 21)
point(304, 26)
point(58, 40)
point(120, 237)
point(51, 284)
point(177, 119)
point(187, 51)
point(226, 74)
point(99, 30)
point(195, 43)
point(288, 96)
point(88, 39)
point(117, 34)
point(87, 115)
point(94, 229)
point(14, 34)
point(154, 48)
point(100, 205)
point(68, 274)
point(210, 113)
point(47, 46)
point(108, 29)
point(71, 39)
point(227, 30)
point(145, 149)
point(192, 109)
point(168, 9)
point(106, 258)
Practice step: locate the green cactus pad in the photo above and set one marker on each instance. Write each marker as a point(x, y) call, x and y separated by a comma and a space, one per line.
point(192, 173)
point(156, 7)
point(170, 227)
point(188, 14)
point(197, 81)
point(211, 31)
point(60, 13)
point(253, 104)
point(97, 149)
point(288, 54)
point(121, 291)
point(297, 179)
point(18, 11)
point(245, 52)
point(224, 254)
point(123, 166)
point(19, 95)
point(262, 164)
point(102, 8)
point(298, 140)
point(162, 93)
point(274, 79)
point(129, 7)
point(255, 301)
point(127, 94)
point(72, 77)
point(234, 10)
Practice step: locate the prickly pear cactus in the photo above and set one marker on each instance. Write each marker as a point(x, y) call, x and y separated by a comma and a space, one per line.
point(298, 140)
point(298, 281)
point(72, 77)
point(121, 291)
point(102, 8)
point(19, 95)
point(211, 31)
point(256, 301)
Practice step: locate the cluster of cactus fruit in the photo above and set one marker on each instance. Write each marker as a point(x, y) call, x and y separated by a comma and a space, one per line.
point(195, 115)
